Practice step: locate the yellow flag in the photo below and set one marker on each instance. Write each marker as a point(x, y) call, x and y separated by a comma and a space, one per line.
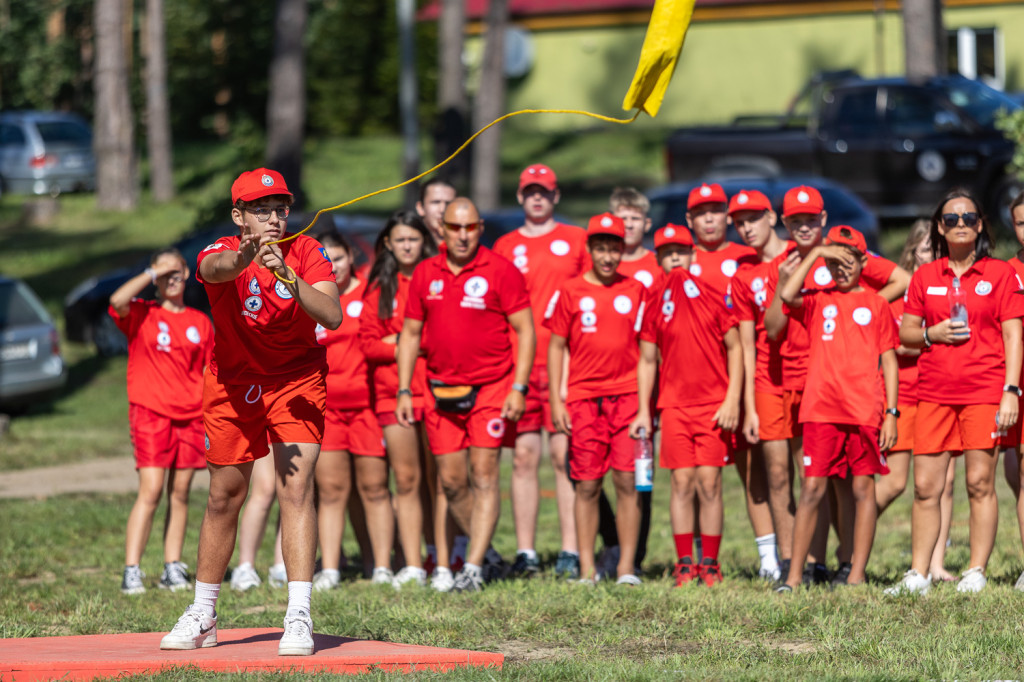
point(664, 42)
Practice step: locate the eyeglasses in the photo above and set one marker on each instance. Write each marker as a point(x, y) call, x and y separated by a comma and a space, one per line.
point(952, 219)
point(468, 227)
point(263, 213)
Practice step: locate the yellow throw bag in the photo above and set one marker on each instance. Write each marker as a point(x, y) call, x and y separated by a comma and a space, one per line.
point(664, 42)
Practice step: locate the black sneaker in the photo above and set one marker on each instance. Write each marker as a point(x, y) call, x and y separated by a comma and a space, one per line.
point(815, 574)
point(783, 571)
point(525, 565)
point(494, 570)
point(567, 565)
point(175, 577)
point(783, 589)
point(842, 574)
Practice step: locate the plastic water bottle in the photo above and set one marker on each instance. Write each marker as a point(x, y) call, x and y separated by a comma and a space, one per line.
point(957, 303)
point(644, 464)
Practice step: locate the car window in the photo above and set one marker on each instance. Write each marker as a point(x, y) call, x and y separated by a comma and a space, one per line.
point(63, 131)
point(910, 113)
point(11, 135)
point(19, 306)
point(979, 101)
point(855, 114)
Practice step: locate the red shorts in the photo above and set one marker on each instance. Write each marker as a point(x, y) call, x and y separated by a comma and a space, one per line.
point(1012, 439)
point(905, 429)
point(389, 418)
point(163, 442)
point(838, 449)
point(938, 428)
point(689, 438)
point(481, 427)
point(356, 431)
point(600, 436)
point(791, 412)
point(240, 419)
point(771, 415)
point(538, 407)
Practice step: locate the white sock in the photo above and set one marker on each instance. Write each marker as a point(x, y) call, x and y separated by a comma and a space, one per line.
point(766, 550)
point(530, 553)
point(299, 595)
point(206, 597)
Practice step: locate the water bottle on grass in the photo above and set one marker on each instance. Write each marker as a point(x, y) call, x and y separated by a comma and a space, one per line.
point(644, 464)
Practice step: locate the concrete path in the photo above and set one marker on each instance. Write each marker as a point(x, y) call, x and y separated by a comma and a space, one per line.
point(115, 475)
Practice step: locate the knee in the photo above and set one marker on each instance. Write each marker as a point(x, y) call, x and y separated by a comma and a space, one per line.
point(863, 489)
point(407, 482)
point(149, 497)
point(813, 491)
point(525, 458)
point(179, 497)
point(225, 502)
point(373, 493)
point(588, 491)
point(979, 486)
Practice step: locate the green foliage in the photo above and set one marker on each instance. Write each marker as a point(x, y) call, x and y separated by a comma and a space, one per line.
point(1011, 123)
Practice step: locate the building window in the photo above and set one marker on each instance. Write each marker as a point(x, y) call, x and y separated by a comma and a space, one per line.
point(977, 53)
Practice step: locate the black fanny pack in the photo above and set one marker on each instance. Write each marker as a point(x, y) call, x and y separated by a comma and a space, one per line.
point(457, 399)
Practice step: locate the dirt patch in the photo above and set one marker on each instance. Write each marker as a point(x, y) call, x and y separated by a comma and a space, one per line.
point(518, 651)
point(115, 475)
point(793, 647)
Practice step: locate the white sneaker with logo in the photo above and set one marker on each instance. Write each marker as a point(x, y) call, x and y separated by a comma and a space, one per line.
point(194, 630)
point(972, 580)
point(297, 639)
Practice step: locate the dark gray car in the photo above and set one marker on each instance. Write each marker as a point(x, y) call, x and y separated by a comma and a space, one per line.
point(31, 365)
point(45, 152)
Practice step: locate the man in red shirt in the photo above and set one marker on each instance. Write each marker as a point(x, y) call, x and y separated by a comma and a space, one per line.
point(435, 196)
point(596, 318)
point(851, 332)
point(461, 306)
point(266, 382)
point(548, 254)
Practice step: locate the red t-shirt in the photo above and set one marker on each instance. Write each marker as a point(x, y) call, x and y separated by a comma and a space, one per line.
point(263, 335)
point(380, 355)
point(717, 268)
point(644, 269)
point(465, 316)
point(348, 385)
point(167, 353)
point(874, 276)
point(907, 363)
point(688, 321)
point(546, 263)
point(752, 292)
point(1018, 267)
point(602, 327)
point(974, 372)
point(848, 334)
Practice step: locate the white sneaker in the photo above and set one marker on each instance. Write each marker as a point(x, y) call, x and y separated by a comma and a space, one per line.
point(194, 630)
point(297, 639)
point(1019, 586)
point(912, 583)
point(326, 580)
point(442, 579)
point(972, 580)
point(131, 582)
point(244, 578)
point(629, 579)
point(382, 575)
point(410, 574)
point(277, 576)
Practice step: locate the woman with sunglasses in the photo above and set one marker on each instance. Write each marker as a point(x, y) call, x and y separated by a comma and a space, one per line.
point(401, 245)
point(967, 381)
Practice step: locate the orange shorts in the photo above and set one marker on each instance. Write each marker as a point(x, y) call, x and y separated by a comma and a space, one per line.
point(240, 419)
point(771, 415)
point(481, 427)
point(538, 407)
point(841, 449)
point(938, 428)
point(600, 436)
point(163, 442)
point(905, 429)
point(791, 412)
point(389, 418)
point(356, 431)
point(690, 439)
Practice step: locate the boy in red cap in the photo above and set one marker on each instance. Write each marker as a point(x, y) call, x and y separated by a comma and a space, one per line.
point(698, 399)
point(715, 259)
point(548, 254)
point(673, 245)
point(852, 333)
point(596, 318)
point(632, 206)
point(266, 382)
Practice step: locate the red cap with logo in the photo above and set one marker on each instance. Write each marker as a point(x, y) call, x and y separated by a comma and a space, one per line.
point(254, 184)
point(802, 199)
point(847, 236)
point(749, 200)
point(606, 223)
point(538, 174)
point(672, 234)
point(706, 194)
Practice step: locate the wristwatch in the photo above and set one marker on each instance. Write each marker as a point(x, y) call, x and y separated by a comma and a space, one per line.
point(522, 388)
point(893, 411)
point(1010, 388)
point(403, 391)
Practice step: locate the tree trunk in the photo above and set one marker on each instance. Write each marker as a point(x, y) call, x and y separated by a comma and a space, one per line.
point(452, 103)
point(924, 38)
point(286, 102)
point(116, 183)
point(408, 97)
point(158, 113)
point(489, 105)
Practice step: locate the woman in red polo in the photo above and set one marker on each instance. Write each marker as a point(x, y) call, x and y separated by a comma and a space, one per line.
point(967, 379)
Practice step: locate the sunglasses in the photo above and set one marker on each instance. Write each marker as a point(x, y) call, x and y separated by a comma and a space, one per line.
point(952, 219)
point(468, 227)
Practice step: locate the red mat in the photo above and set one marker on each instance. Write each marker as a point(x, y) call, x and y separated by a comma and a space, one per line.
point(87, 657)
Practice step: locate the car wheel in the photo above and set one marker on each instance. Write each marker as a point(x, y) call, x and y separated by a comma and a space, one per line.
point(1003, 193)
point(109, 340)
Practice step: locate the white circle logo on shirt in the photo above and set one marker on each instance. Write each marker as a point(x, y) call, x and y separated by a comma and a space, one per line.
point(520, 250)
point(163, 339)
point(162, 326)
point(282, 291)
point(587, 304)
point(588, 319)
point(757, 284)
point(983, 288)
point(192, 334)
point(560, 247)
point(622, 304)
point(254, 287)
point(830, 312)
point(862, 316)
point(476, 287)
point(667, 308)
point(644, 277)
point(691, 289)
point(696, 269)
point(354, 308)
point(667, 295)
point(822, 276)
point(520, 261)
point(829, 326)
point(729, 267)
point(253, 304)
point(760, 297)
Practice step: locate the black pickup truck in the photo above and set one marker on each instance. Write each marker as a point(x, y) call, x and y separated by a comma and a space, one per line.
point(897, 143)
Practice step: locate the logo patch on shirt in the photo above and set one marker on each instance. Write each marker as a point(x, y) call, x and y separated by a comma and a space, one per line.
point(691, 289)
point(282, 291)
point(822, 277)
point(323, 252)
point(729, 267)
point(589, 321)
point(214, 247)
point(644, 277)
point(829, 327)
point(667, 308)
point(983, 288)
point(254, 287)
point(757, 284)
point(587, 303)
point(435, 288)
point(475, 289)
point(520, 262)
point(253, 304)
point(862, 316)
point(560, 247)
point(696, 269)
point(830, 312)
point(354, 308)
point(192, 334)
point(622, 304)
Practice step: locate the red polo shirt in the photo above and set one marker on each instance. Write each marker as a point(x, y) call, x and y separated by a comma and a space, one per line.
point(348, 385)
point(907, 363)
point(972, 373)
point(465, 316)
point(752, 291)
point(644, 269)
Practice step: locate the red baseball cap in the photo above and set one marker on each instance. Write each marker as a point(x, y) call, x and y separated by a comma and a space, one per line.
point(672, 234)
point(802, 199)
point(847, 236)
point(706, 194)
point(538, 174)
point(749, 200)
point(254, 184)
point(606, 223)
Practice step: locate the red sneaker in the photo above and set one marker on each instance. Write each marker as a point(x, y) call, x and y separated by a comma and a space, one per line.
point(684, 571)
point(709, 572)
